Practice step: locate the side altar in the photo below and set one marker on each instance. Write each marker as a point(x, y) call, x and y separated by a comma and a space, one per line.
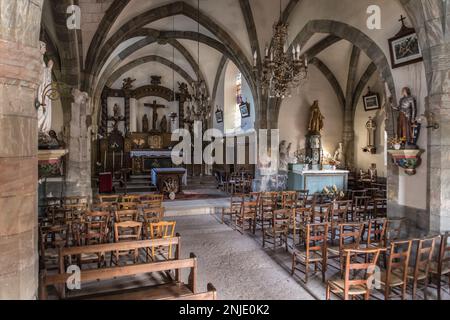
point(316, 180)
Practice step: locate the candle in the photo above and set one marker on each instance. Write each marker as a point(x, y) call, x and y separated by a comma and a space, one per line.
point(267, 51)
point(306, 61)
point(255, 58)
point(104, 164)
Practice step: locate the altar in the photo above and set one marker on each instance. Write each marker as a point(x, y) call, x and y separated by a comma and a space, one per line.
point(144, 161)
point(169, 180)
point(316, 180)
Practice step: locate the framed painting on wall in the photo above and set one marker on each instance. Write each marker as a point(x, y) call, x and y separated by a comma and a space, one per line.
point(371, 101)
point(219, 116)
point(404, 47)
point(245, 109)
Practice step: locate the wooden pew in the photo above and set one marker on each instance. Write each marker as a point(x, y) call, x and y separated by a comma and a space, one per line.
point(58, 279)
point(211, 294)
point(171, 290)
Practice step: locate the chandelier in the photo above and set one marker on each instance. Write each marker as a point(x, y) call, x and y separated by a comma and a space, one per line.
point(199, 101)
point(282, 70)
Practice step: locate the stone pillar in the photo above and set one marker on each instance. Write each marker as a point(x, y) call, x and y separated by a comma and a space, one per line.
point(20, 71)
point(78, 181)
point(430, 19)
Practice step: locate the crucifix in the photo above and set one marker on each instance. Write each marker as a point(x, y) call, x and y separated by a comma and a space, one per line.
point(155, 108)
point(402, 20)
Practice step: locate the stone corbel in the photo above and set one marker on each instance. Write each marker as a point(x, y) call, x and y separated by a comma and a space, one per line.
point(409, 160)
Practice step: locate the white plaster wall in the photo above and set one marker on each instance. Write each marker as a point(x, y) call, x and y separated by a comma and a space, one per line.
point(412, 190)
point(295, 112)
point(364, 160)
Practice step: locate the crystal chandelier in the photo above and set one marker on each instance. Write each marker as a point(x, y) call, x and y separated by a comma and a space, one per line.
point(199, 100)
point(282, 70)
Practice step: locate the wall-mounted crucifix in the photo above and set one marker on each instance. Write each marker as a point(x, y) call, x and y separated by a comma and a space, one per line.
point(155, 108)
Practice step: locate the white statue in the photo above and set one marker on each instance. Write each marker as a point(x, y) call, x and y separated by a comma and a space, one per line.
point(45, 109)
point(283, 162)
point(339, 155)
point(80, 97)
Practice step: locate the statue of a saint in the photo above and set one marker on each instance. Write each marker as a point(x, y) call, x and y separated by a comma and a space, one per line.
point(371, 126)
point(339, 156)
point(145, 127)
point(407, 124)
point(163, 126)
point(283, 162)
point(45, 108)
point(316, 120)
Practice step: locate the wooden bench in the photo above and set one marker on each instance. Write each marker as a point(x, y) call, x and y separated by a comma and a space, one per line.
point(173, 289)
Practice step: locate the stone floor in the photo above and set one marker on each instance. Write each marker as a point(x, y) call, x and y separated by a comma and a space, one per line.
point(240, 268)
point(236, 264)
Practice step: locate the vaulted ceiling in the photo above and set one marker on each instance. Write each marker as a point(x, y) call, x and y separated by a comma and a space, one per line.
point(138, 38)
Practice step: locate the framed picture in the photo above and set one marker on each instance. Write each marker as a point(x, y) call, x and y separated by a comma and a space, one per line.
point(405, 48)
point(371, 101)
point(245, 109)
point(219, 116)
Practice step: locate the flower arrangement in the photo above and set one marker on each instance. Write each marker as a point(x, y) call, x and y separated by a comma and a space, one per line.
point(333, 193)
point(396, 142)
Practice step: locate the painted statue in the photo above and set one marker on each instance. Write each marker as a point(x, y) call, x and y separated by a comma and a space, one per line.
point(339, 155)
point(371, 127)
point(316, 120)
point(145, 127)
point(45, 108)
point(163, 125)
point(406, 123)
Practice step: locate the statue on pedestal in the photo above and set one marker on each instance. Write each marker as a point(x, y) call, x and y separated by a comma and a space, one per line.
point(145, 127)
point(163, 126)
point(316, 119)
point(371, 126)
point(407, 126)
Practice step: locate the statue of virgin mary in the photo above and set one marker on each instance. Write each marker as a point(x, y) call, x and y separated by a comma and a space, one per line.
point(45, 108)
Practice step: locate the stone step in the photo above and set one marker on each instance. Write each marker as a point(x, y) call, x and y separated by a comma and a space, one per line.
point(194, 207)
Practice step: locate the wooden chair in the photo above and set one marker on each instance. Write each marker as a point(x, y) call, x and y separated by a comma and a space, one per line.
point(339, 214)
point(51, 239)
point(130, 198)
point(108, 198)
point(302, 198)
point(396, 273)
point(161, 230)
point(235, 207)
point(289, 200)
point(358, 276)
point(441, 267)
point(151, 215)
point(247, 214)
point(360, 210)
point(144, 204)
point(279, 229)
point(315, 252)
point(421, 269)
point(126, 215)
point(152, 197)
point(394, 229)
point(349, 238)
point(322, 212)
point(128, 205)
point(376, 233)
point(267, 205)
point(124, 232)
point(96, 227)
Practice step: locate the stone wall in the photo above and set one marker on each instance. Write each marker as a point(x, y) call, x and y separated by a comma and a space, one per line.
point(20, 70)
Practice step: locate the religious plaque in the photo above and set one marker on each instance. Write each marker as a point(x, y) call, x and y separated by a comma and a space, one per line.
point(155, 142)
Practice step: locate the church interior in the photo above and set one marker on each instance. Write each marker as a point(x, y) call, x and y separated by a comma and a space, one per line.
point(224, 150)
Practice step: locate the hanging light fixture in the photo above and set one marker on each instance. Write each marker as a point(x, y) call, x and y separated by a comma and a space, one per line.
point(199, 100)
point(282, 70)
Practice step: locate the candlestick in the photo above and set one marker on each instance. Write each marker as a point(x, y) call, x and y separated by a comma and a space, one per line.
point(104, 162)
point(121, 159)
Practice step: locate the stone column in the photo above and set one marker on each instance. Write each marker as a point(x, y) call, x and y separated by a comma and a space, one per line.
point(78, 181)
point(20, 71)
point(133, 115)
point(431, 20)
